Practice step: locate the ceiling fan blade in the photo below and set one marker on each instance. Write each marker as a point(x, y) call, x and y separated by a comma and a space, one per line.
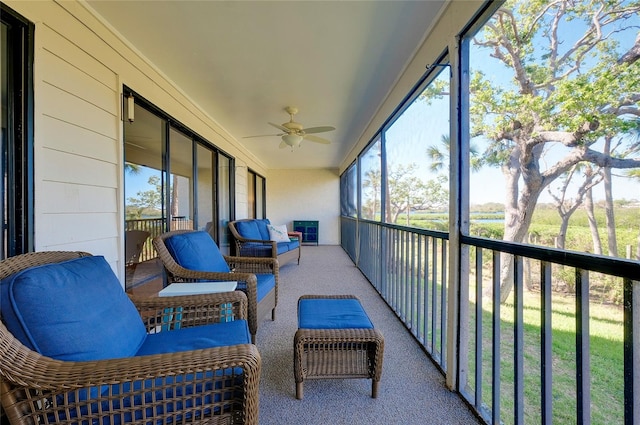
point(316, 139)
point(279, 127)
point(264, 135)
point(319, 129)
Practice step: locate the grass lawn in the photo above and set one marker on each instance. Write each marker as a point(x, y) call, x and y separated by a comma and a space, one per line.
point(606, 357)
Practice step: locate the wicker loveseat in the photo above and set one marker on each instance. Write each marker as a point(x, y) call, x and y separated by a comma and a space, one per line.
point(252, 239)
point(74, 348)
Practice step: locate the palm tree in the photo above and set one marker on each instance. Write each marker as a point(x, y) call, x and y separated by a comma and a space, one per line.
point(440, 155)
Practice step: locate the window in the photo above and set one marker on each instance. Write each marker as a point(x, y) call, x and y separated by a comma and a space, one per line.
point(349, 192)
point(257, 188)
point(417, 158)
point(404, 172)
point(181, 181)
point(544, 118)
point(16, 134)
point(174, 180)
point(225, 201)
point(371, 178)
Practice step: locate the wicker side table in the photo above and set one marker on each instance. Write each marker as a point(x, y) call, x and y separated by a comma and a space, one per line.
point(351, 348)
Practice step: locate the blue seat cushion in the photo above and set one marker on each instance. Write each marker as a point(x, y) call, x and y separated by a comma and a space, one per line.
point(186, 339)
point(196, 251)
point(283, 247)
point(75, 310)
point(266, 282)
point(323, 313)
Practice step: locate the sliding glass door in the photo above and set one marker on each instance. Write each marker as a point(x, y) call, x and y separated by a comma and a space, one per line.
point(16, 133)
point(174, 180)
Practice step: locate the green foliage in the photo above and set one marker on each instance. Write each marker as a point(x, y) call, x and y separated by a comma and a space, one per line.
point(567, 277)
point(408, 192)
point(146, 202)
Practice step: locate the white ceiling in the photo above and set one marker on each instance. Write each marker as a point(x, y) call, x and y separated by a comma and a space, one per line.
point(243, 61)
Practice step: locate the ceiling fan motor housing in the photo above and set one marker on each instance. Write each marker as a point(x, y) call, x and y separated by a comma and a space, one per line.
point(293, 126)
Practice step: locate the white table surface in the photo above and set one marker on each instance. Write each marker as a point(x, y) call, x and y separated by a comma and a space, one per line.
point(194, 288)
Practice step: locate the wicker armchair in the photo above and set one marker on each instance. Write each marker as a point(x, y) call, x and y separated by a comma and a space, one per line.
point(244, 270)
point(217, 385)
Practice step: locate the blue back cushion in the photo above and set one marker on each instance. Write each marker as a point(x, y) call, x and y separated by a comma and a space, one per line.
point(196, 251)
point(74, 310)
point(263, 229)
point(249, 230)
point(323, 313)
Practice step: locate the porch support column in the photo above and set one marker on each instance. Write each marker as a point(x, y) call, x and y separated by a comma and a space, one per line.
point(458, 291)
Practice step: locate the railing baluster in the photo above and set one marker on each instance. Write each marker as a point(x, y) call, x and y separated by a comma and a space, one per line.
point(495, 349)
point(412, 286)
point(478, 354)
point(434, 294)
point(395, 259)
point(443, 304)
point(427, 271)
point(420, 288)
point(583, 366)
point(518, 337)
point(406, 276)
point(546, 330)
point(632, 351)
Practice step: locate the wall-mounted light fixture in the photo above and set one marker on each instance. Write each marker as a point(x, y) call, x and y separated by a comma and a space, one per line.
point(130, 107)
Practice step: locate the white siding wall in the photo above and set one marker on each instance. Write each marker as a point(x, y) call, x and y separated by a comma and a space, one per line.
point(76, 149)
point(306, 195)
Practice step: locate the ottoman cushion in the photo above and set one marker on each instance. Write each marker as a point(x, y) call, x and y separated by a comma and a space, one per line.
point(332, 314)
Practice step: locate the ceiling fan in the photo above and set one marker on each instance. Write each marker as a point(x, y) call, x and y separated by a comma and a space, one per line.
point(293, 132)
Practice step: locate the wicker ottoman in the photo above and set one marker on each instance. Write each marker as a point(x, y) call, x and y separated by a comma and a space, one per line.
point(335, 339)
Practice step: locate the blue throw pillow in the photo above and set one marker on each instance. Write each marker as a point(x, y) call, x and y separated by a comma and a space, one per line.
point(74, 310)
point(196, 251)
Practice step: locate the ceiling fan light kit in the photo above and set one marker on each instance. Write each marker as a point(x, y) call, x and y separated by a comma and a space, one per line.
point(294, 132)
point(292, 140)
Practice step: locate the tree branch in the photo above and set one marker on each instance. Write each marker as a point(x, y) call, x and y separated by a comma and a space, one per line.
point(633, 54)
point(603, 160)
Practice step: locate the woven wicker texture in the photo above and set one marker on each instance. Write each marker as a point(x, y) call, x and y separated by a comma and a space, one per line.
point(244, 270)
point(337, 353)
point(216, 385)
